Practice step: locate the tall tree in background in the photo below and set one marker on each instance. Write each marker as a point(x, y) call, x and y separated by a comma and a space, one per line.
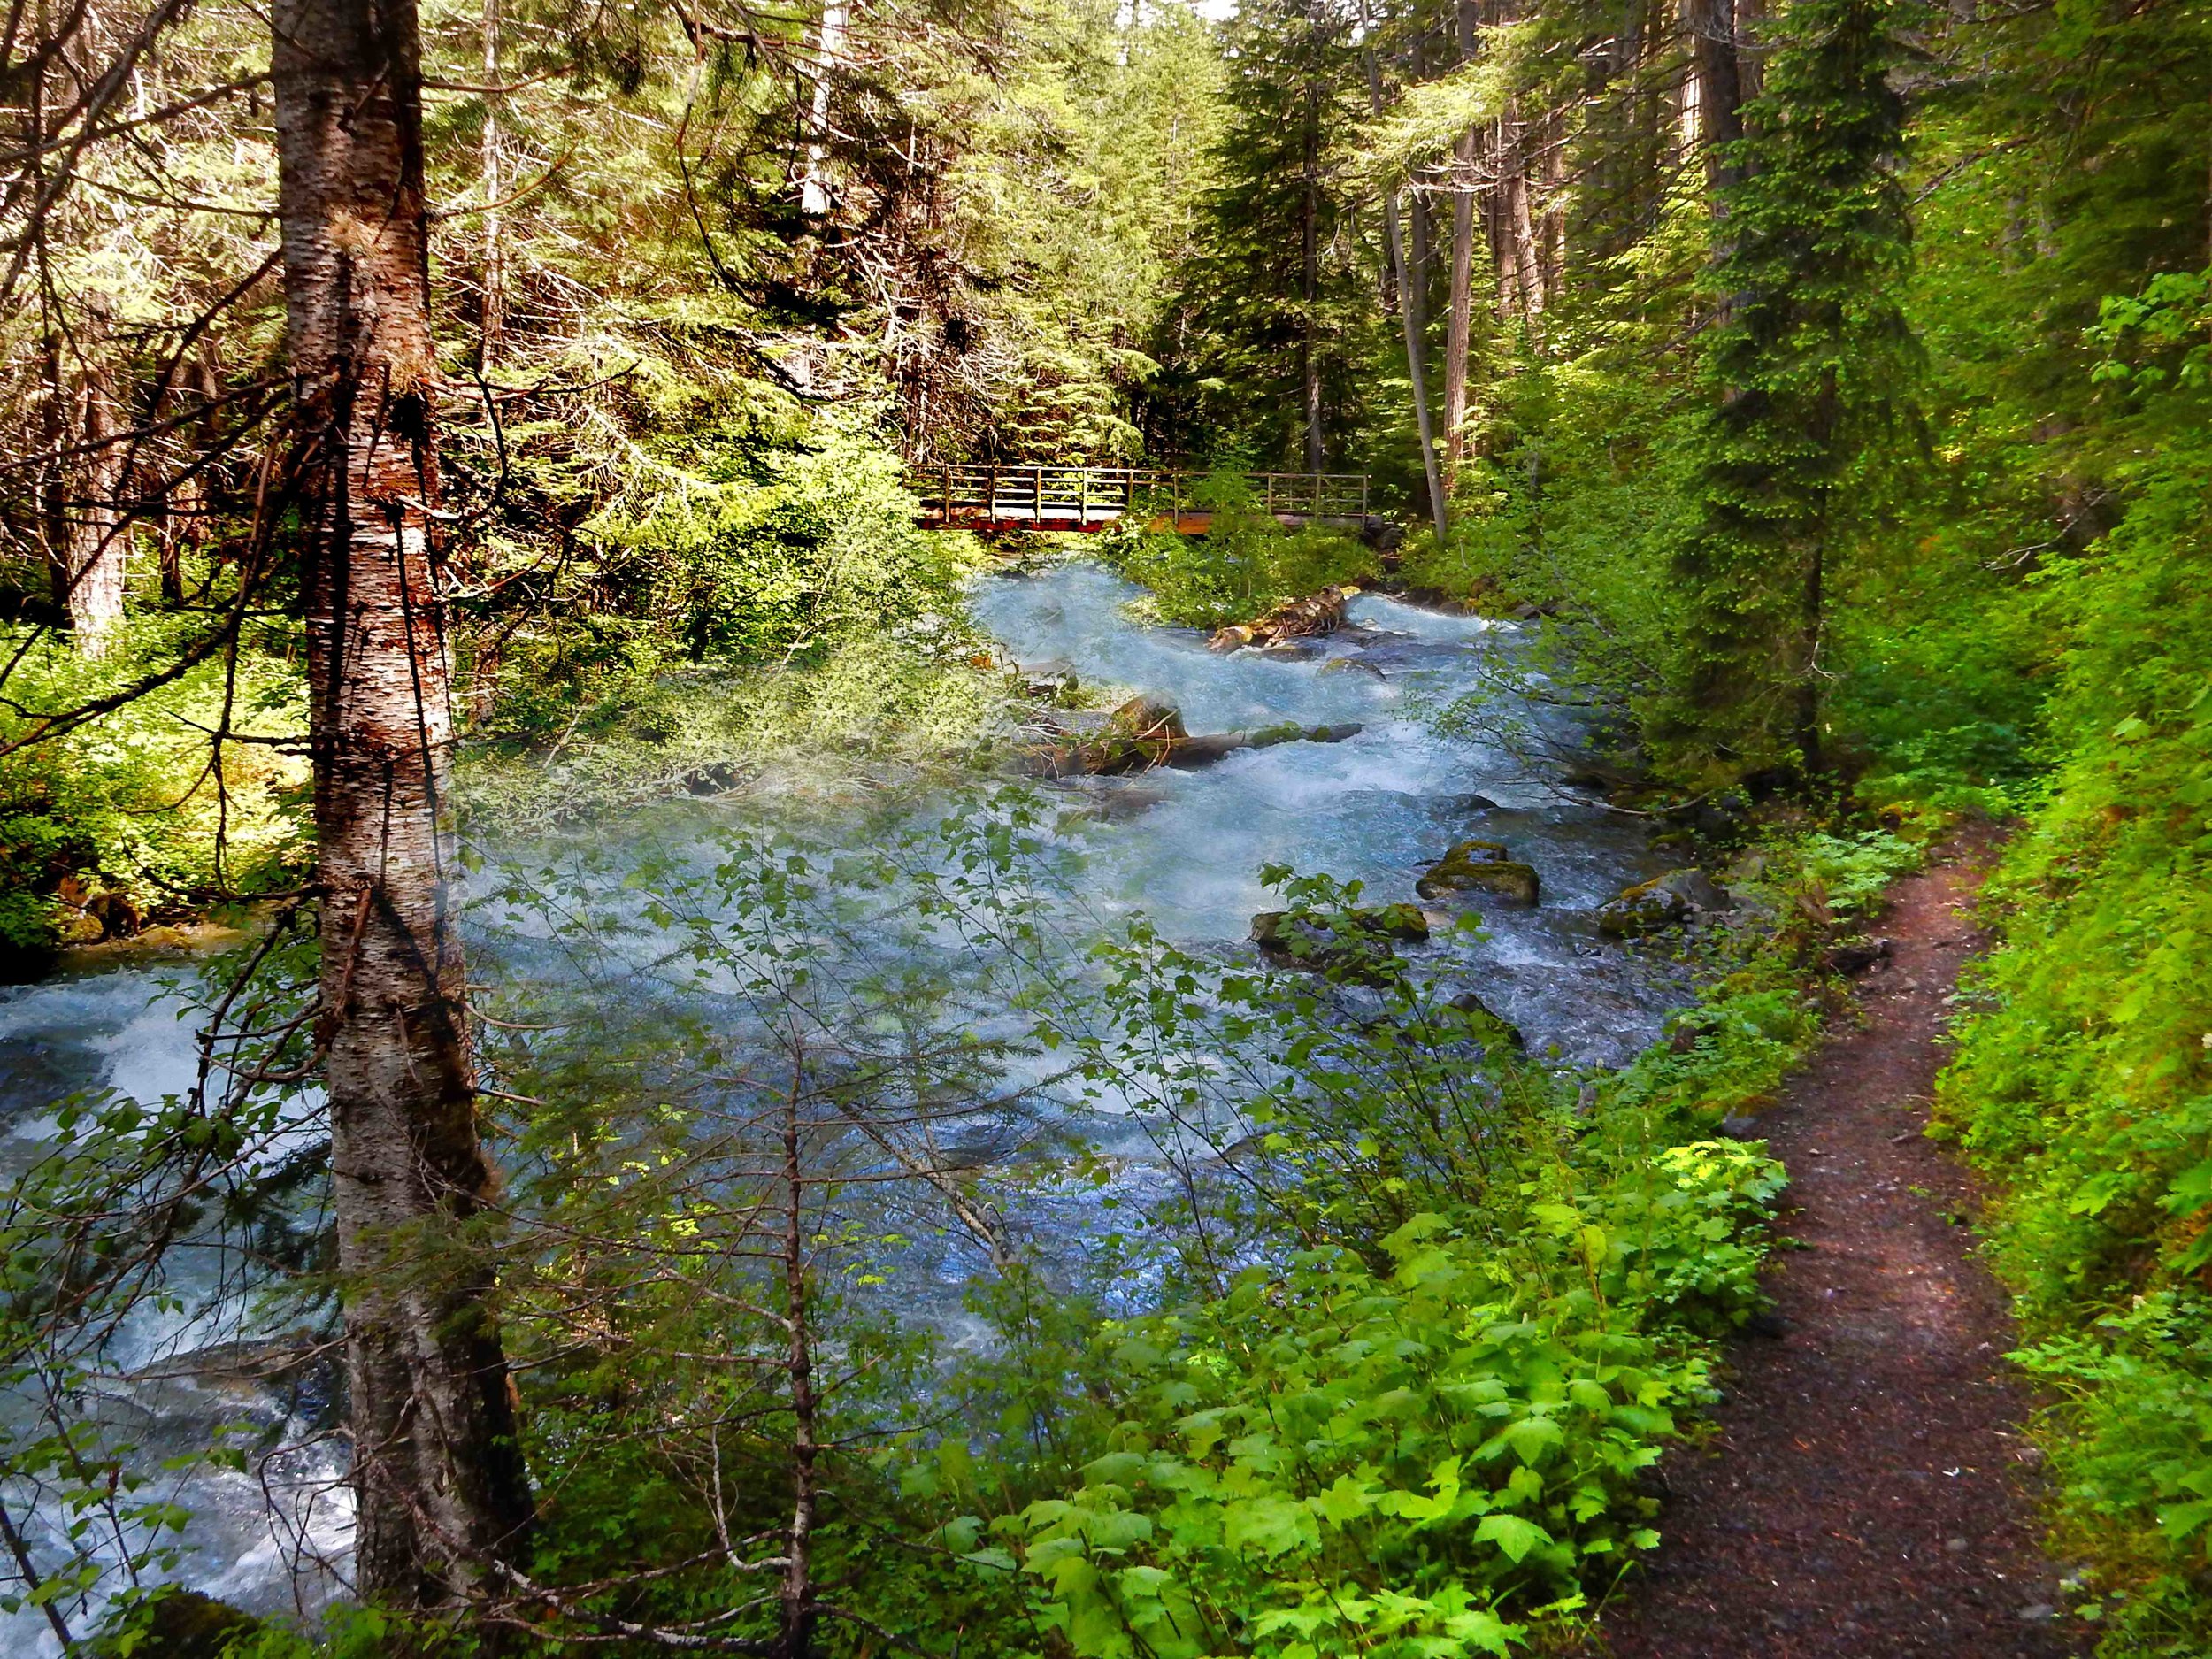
point(441, 1485)
point(1274, 298)
point(1459, 314)
point(1807, 363)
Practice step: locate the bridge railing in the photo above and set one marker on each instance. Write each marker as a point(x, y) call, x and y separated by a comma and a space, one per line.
point(1091, 497)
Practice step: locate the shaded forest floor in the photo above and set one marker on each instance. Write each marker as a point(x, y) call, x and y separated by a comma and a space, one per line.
point(1869, 1491)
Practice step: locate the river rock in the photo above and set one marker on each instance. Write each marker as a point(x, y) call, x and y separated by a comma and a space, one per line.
point(1351, 665)
point(1667, 901)
point(1490, 1025)
point(1479, 866)
point(177, 1624)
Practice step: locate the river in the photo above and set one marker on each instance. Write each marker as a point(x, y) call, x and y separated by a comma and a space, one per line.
point(1183, 846)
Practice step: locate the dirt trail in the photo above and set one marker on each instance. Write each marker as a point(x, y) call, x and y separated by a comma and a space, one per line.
point(1869, 1493)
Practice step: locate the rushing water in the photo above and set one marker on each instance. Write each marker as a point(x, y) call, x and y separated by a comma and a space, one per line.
point(1184, 847)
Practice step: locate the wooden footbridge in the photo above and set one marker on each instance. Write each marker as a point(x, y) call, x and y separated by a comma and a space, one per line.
point(1098, 497)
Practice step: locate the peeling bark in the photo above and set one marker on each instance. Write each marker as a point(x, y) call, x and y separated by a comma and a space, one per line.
point(438, 1476)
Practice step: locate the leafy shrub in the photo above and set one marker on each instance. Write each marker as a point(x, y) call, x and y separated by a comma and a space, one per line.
point(2084, 1081)
point(134, 803)
point(1330, 1457)
point(1245, 564)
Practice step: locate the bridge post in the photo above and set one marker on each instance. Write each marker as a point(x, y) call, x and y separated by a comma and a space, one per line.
point(990, 508)
point(944, 501)
point(1083, 497)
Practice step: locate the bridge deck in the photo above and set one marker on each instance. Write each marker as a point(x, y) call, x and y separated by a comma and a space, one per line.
point(1094, 498)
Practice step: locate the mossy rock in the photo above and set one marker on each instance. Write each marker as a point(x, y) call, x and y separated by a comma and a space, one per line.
point(1480, 867)
point(1667, 901)
point(1646, 908)
point(176, 1624)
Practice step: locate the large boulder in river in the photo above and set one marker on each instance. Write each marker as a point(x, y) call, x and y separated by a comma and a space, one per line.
point(1480, 867)
point(1292, 619)
point(1668, 900)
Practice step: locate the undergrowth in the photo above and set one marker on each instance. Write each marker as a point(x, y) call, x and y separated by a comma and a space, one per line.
point(1246, 563)
point(2084, 1081)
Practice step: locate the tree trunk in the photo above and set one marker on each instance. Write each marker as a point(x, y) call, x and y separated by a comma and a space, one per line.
point(799, 1613)
point(1718, 99)
point(1310, 280)
point(437, 1472)
point(1459, 324)
point(1551, 222)
point(1811, 620)
point(492, 324)
point(182, 501)
point(829, 48)
point(1750, 70)
point(88, 577)
point(1459, 327)
point(1411, 296)
point(1411, 313)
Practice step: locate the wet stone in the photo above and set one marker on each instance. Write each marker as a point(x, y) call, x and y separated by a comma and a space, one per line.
point(1479, 866)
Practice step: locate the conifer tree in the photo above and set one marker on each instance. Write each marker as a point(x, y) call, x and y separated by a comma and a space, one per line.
point(1270, 314)
point(1808, 358)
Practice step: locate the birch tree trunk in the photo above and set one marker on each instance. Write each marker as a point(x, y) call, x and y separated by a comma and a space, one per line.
point(437, 1469)
point(88, 576)
point(829, 46)
point(492, 326)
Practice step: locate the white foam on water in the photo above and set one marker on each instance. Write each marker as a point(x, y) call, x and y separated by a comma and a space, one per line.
point(1378, 808)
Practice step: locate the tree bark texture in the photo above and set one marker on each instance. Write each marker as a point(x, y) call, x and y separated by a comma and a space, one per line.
point(1459, 322)
point(1458, 331)
point(88, 576)
point(1718, 97)
point(438, 1474)
point(1412, 297)
point(492, 321)
point(829, 48)
point(1310, 277)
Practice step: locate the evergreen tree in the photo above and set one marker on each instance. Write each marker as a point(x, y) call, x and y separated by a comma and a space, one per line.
point(1265, 346)
point(1809, 354)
